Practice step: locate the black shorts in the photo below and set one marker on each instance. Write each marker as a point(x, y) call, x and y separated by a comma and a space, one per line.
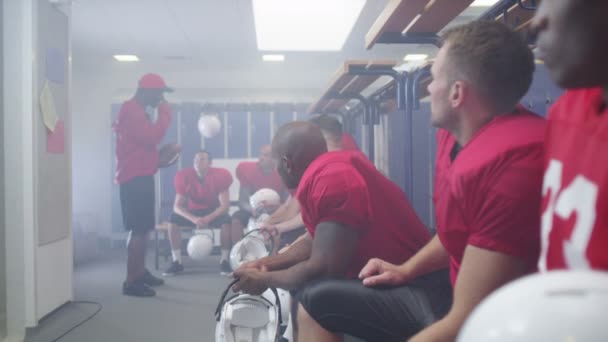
point(137, 204)
point(378, 314)
point(184, 222)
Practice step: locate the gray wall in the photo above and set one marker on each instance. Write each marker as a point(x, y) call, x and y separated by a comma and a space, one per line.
point(2, 240)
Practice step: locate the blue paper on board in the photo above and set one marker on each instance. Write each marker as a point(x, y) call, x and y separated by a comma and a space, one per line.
point(55, 65)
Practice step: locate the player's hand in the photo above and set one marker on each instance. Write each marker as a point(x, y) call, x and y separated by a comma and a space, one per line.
point(379, 272)
point(260, 265)
point(251, 281)
point(269, 230)
point(202, 221)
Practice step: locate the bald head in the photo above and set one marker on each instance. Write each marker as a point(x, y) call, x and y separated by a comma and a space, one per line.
point(295, 146)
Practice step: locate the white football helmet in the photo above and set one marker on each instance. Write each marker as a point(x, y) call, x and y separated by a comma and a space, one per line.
point(264, 198)
point(560, 306)
point(252, 246)
point(248, 318)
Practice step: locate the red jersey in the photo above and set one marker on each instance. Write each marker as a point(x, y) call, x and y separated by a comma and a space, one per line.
point(575, 187)
point(250, 175)
point(137, 138)
point(202, 194)
point(348, 143)
point(489, 195)
point(345, 187)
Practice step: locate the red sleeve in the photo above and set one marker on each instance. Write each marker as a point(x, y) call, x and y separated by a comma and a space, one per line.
point(146, 132)
point(340, 199)
point(241, 174)
point(506, 219)
point(224, 180)
point(180, 183)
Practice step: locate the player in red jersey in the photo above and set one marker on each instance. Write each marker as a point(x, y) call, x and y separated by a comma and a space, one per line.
point(254, 176)
point(487, 186)
point(349, 219)
point(201, 200)
point(137, 135)
point(572, 41)
point(286, 223)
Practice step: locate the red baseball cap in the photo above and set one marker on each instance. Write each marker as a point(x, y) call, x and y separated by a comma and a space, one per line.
point(153, 81)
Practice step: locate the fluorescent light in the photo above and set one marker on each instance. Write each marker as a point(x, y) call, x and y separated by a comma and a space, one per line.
point(126, 58)
point(415, 57)
point(304, 25)
point(483, 3)
point(273, 58)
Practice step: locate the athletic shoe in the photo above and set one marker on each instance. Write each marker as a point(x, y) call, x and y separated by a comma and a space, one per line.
point(175, 268)
point(151, 280)
point(137, 289)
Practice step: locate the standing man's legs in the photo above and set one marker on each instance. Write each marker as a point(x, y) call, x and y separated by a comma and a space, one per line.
point(136, 255)
point(137, 202)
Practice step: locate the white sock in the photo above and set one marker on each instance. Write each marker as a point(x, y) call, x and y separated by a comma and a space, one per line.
point(224, 255)
point(177, 255)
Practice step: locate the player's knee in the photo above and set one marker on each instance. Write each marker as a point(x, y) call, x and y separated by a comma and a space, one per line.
point(320, 296)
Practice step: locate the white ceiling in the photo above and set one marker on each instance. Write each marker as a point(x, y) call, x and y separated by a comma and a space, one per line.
point(212, 41)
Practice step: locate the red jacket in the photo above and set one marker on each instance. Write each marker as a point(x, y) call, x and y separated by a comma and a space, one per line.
point(137, 138)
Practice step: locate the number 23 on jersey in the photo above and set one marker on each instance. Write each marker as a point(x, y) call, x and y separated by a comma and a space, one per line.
point(570, 234)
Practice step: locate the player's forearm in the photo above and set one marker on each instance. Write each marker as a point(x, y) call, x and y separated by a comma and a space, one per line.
point(180, 210)
point(291, 224)
point(221, 210)
point(431, 257)
point(278, 215)
point(296, 253)
point(295, 276)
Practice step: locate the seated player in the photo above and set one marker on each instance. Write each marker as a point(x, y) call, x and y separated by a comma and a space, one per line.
point(487, 190)
point(201, 201)
point(334, 134)
point(254, 176)
point(286, 224)
point(351, 211)
point(572, 42)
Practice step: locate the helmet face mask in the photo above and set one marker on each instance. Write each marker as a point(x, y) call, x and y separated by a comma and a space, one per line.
point(251, 247)
point(250, 318)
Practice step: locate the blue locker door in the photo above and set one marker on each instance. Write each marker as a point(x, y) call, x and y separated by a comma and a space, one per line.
point(422, 172)
point(237, 134)
point(358, 131)
point(215, 145)
point(167, 190)
point(117, 225)
point(190, 137)
point(260, 131)
point(396, 148)
point(281, 118)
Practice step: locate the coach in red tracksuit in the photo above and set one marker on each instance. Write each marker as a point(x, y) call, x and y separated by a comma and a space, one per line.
point(140, 126)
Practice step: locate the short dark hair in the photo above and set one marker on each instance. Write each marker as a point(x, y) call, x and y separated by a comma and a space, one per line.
point(328, 124)
point(205, 152)
point(496, 59)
